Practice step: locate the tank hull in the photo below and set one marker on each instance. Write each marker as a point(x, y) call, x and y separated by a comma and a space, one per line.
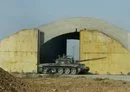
point(71, 69)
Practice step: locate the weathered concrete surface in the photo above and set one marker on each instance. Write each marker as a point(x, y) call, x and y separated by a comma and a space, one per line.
point(115, 58)
point(69, 25)
point(18, 53)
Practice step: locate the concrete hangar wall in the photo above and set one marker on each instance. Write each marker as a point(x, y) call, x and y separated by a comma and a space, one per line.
point(20, 52)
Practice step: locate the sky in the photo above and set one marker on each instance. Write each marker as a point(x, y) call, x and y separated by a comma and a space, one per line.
point(20, 14)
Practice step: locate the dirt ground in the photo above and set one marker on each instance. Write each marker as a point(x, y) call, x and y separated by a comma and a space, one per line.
point(77, 85)
point(10, 83)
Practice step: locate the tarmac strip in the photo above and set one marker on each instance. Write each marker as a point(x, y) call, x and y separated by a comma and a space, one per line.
point(112, 77)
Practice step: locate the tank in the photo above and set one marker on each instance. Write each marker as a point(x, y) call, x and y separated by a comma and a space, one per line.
point(64, 65)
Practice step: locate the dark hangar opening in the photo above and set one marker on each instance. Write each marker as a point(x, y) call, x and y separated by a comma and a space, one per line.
point(50, 50)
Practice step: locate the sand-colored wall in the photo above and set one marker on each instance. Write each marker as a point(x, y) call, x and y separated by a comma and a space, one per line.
point(18, 53)
point(115, 58)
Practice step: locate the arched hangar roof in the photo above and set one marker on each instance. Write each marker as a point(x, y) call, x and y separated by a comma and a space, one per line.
point(69, 25)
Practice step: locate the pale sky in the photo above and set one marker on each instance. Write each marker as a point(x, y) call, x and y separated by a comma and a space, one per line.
point(19, 14)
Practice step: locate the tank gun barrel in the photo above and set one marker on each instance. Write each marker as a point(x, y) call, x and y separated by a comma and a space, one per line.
point(90, 59)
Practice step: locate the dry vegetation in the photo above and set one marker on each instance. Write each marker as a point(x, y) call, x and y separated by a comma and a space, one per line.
point(9, 83)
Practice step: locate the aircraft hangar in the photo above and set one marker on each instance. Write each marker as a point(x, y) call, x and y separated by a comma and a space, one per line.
point(83, 38)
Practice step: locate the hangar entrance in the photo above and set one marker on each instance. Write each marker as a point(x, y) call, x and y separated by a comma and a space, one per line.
point(73, 48)
point(66, 44)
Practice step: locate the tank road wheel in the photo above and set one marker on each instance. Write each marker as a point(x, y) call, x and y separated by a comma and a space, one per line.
point(60, 71)
point(67, 71)
point(73, 71)
point(44, 70)
point(53, 70)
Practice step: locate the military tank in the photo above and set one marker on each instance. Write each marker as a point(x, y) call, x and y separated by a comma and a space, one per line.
point(65, 65)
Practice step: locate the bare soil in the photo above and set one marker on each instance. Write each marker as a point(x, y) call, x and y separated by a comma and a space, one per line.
point(9, 83)
point(78, 85)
